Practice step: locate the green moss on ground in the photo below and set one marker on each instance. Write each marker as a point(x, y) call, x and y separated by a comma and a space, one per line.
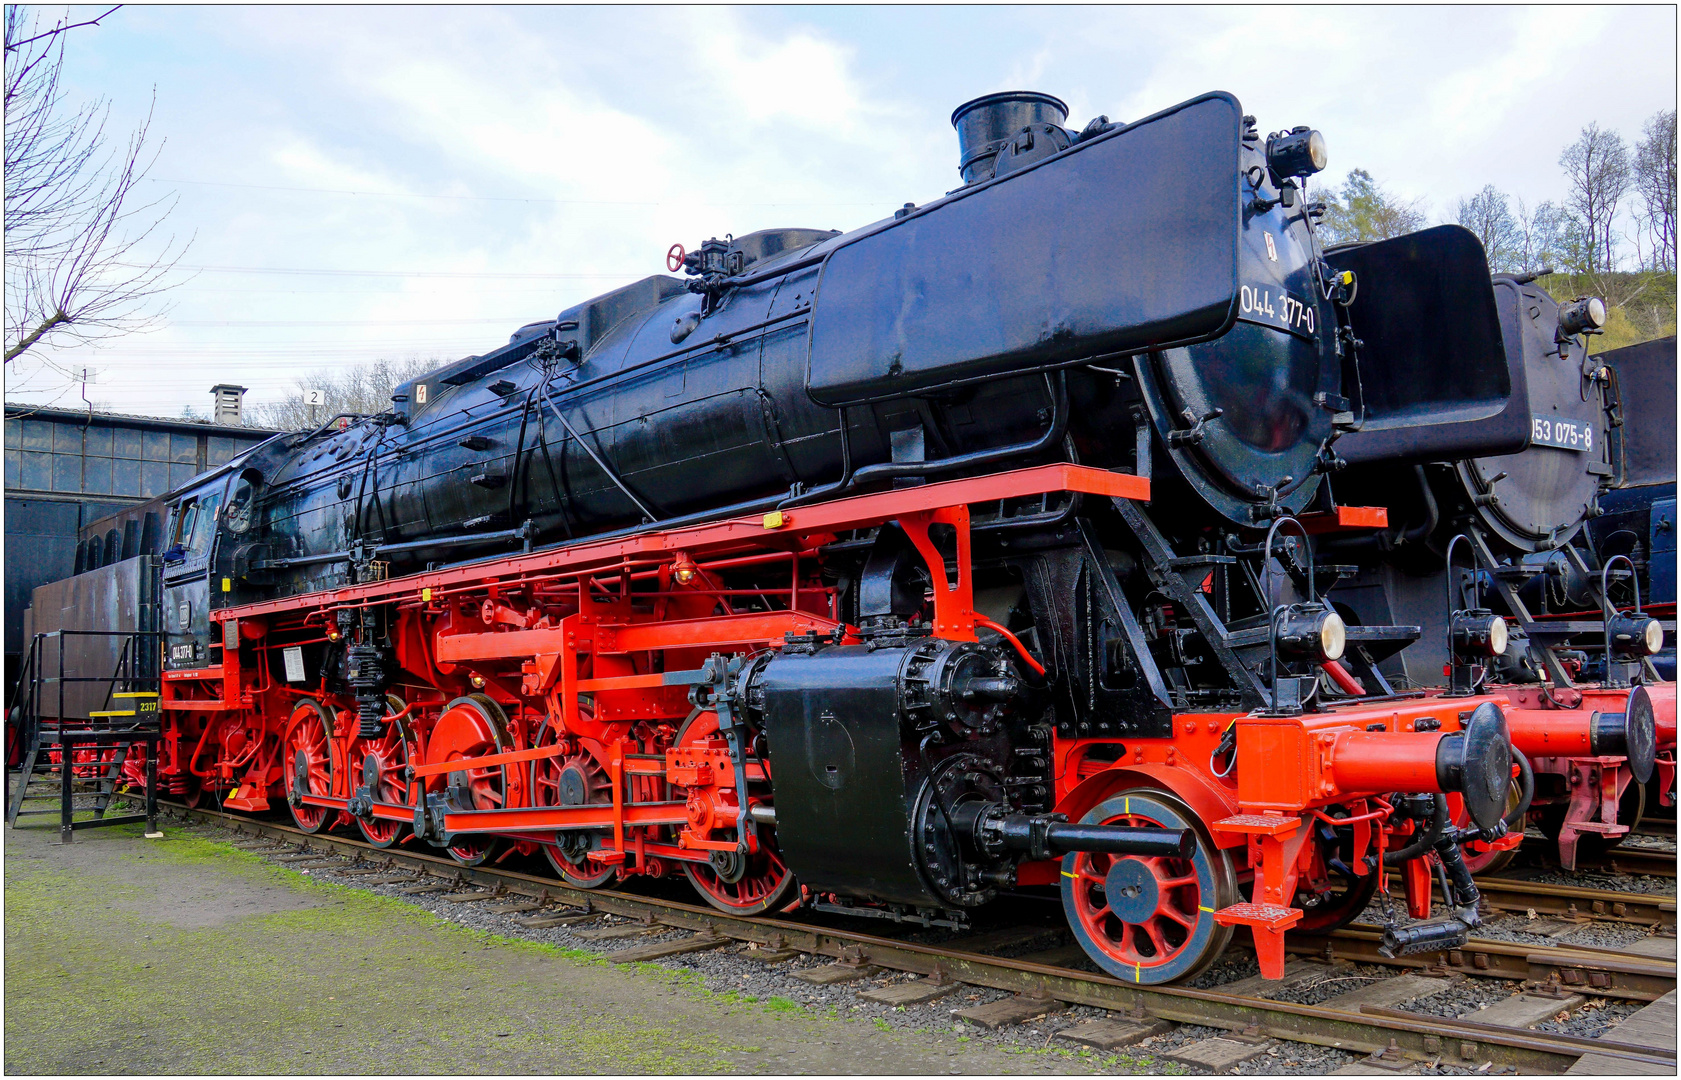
point(192, 956)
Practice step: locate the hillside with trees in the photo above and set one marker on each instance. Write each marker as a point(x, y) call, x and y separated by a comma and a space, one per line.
point(1613, 234)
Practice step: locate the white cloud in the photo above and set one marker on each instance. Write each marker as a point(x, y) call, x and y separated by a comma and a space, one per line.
point(631, 128)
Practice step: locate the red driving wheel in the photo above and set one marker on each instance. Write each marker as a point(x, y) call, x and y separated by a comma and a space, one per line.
point(383, 763)
point(761, 881)
point(674, 258)
point(307, 763)
point(573, 779)
point(471, 727)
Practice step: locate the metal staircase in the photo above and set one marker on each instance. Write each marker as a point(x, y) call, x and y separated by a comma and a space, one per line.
point(82, 757)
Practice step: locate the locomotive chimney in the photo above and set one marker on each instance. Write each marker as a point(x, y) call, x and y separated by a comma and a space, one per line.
point(986, 124)
point(227, 397)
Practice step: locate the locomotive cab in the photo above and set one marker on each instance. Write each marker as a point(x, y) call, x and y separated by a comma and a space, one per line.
point(191, 535)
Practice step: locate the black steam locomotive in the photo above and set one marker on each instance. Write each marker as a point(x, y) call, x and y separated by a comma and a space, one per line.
point(1149, 299)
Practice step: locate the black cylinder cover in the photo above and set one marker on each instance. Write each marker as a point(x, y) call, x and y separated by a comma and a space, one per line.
point(870, 747)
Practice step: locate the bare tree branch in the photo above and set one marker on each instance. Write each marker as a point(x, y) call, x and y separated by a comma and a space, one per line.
point(12, 46)
point(1654, 180)
point(1489, 215)
point(78, 249)
point(362, 388)
point(1597, 167)
point(1364, 211)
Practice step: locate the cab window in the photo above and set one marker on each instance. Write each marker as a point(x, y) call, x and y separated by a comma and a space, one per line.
point(186, 516)
point(204, 525)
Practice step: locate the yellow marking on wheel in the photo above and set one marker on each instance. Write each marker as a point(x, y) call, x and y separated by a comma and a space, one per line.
point(1067, 874)
point(1138, 973)
point(1207, 909)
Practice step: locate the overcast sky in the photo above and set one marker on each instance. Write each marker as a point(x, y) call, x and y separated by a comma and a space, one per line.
point(367, 182)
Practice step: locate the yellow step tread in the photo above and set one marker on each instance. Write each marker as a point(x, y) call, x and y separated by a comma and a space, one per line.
point(136, 694)
point(114, 712)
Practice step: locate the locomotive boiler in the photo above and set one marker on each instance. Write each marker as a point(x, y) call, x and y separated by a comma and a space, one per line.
point(879, 572)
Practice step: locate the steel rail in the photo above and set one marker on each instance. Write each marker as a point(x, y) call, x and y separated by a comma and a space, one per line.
point(1570, 901)
point(1622, 859)
point(1650, 826)
point(1416, 1035)
point(1577, 969)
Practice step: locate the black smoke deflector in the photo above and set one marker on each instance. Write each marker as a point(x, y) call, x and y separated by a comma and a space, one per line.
point(1126, 242)
point(1434, 381)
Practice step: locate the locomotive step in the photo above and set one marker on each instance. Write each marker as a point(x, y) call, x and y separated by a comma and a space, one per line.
point(1266, 916)
point(1257, 824)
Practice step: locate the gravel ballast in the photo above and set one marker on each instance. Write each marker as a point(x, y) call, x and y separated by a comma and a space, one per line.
point(731, 970)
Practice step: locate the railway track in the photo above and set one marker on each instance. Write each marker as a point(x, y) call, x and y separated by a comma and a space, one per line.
point(1622, 859)
point(1365, 1029)
point(1650, 826)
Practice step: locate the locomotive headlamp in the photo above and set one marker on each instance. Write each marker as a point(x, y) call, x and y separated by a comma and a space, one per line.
point(683, 570)
point(1478, 633)
point(1301, 152)
point(1585, 316)
point(1311, 632)
point(1635, 634)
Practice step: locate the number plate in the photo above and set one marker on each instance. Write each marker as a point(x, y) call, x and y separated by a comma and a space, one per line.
point(1270, 305)
point(1564, 434)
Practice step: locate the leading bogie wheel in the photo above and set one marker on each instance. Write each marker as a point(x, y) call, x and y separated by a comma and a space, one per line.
point(1348, 898)
point(1148, 920)
point(307, 763)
